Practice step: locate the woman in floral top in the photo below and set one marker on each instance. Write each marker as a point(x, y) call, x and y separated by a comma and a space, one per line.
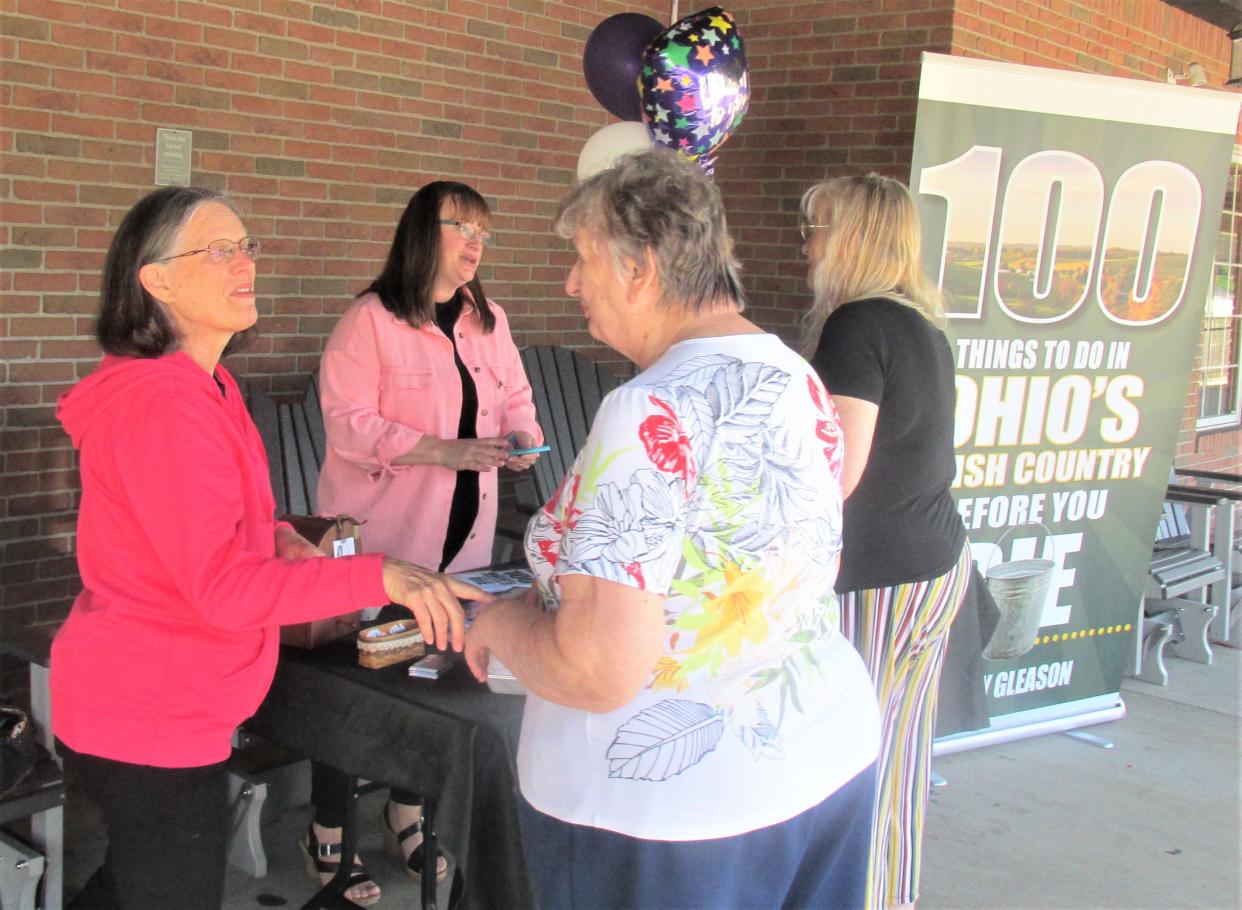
point(697, 732)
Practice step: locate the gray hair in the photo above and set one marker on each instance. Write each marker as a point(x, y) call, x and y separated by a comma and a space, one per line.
point(659, 201)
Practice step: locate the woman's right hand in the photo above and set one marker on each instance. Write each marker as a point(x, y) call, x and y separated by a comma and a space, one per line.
point(433, 599)
point(485, 454)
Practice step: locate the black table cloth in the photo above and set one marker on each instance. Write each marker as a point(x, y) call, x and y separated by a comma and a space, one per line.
point(451, 738)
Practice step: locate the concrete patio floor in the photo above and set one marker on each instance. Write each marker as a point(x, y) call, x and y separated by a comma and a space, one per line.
point(1053, 822)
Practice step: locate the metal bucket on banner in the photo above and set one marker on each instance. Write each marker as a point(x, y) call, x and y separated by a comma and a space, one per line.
point(1019, 588)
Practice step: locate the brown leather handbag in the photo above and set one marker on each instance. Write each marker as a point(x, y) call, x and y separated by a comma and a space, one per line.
point(337, 535)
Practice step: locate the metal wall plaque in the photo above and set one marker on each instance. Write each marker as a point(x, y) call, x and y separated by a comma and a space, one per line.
point(172, 157)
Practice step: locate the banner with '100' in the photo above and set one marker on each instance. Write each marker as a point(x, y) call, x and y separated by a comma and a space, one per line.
point(1071, 220)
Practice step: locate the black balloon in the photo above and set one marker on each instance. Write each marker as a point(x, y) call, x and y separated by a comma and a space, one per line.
point(613, 58)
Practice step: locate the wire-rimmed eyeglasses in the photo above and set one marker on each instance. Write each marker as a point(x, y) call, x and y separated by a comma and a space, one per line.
point(469, 232)
point(222, 250)
point(806, 229)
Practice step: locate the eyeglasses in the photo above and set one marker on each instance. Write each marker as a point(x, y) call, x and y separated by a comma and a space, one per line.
point(806, 229)
point(223, 250)
point(469, 232)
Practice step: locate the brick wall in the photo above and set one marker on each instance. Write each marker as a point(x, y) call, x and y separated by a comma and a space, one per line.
point(835, 92)
point(1129, 38)
point(323, 117)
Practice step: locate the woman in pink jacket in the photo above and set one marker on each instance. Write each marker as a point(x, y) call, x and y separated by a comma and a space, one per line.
point(186, 575)
point(424, 397)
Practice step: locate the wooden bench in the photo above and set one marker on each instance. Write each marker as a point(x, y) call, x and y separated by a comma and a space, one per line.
point(567, 388)
point(293, 435)
point(1169, 618)
point(40, 798)
point(1214, 526)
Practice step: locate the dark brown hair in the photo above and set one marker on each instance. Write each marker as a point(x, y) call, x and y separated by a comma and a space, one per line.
point(406, 284)
point(131, 322)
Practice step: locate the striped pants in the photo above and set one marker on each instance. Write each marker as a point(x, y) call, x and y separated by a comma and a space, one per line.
point(901, 633)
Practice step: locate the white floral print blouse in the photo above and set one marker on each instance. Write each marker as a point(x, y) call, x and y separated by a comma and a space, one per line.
point(712, 478)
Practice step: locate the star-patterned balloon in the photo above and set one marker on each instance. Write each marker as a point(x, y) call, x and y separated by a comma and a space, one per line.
point(695, 84)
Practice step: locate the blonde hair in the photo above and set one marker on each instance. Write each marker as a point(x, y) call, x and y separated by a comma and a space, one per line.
point(871, 249)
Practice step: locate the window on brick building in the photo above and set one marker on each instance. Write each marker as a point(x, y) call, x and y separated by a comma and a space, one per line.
point(1219, 347)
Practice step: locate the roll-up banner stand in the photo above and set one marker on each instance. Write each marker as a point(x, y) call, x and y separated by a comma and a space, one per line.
point(1071, 220)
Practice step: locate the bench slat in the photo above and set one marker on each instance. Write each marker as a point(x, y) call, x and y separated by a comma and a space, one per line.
point(266, 419)
point(292, 479)
point(307, 455)
point(567, 389)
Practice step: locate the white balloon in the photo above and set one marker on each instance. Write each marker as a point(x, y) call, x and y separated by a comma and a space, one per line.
point(603, 149)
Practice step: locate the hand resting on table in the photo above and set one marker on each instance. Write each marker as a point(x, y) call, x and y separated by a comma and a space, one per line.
point(433, 599)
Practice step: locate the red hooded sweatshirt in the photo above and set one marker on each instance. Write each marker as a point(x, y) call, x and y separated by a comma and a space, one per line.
point(173, 641)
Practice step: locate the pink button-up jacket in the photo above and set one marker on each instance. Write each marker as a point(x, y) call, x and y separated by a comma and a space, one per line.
point(383, 385)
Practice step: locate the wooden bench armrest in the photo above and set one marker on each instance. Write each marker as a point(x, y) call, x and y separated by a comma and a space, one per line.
point(32, 644)
point(1219, 476)
point(1196, 496)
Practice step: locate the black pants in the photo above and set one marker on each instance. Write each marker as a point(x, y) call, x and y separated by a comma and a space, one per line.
point(167, 834)
point(330, 796)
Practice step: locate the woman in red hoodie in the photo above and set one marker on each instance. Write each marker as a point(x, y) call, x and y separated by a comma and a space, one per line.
point(186, 576)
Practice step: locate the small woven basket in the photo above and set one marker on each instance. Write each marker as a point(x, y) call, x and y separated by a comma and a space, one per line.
point(389, 643)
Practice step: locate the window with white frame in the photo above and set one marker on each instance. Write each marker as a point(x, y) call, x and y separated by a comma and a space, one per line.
point(1219, 347)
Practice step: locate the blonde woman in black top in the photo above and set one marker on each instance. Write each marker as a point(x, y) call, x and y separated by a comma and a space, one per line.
point(873, 334)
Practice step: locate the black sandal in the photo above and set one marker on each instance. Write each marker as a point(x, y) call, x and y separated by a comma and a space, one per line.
point(316, 856)
point(413, 865)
